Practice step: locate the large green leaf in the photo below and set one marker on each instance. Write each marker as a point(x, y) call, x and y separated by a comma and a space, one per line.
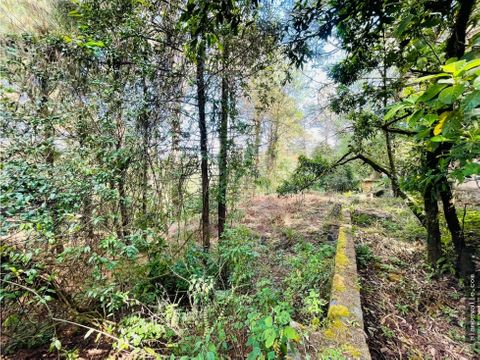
point(476, 83)
point(471, 64)
point(291, 333)
point(450, 94)
point(471, 169)
point(430, 77)
point(431, 92)
point(402, 26)
point(393, 110)
point(270, 335)
point(454, 67)
point(471, 101)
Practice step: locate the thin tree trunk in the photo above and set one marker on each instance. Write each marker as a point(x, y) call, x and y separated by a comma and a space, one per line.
point(50, 160)
point(123, 203)
point(203, 147)
point(272, 147)
point(388, 136)
point(145, 143)
point(391, 161)
point(464, 263)
point(258, 139)
point(434, 251)
point(222, 159)
point(430, 201)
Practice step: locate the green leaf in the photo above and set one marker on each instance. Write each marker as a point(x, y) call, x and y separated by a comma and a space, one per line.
point(454, 66)
point(291, 333)
point(471, 101)
point(57, 344)
point(471, 64)
point(270, 335)
point(268, 321)
point(403, 25)
point(431, 92)
point(74, 13)
point(439, 138)
point(450, 94)
point(393, 110)
point(476, 83)
point(429, 77)
point(412, 119)
point(471, 169)
point(93, 43)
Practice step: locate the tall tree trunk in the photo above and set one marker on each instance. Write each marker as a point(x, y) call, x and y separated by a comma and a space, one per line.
point(203, 147)
point(87, 211)
point(391, 161)
point(145, 144)
point(434, 251)
point(456, 44)
point(121, 185)
point(123, 203)
point(258, 139)
point(272, 146)
point(430, 200)
point(464, 263)
point(223, 137)
point(50, 160)
point(456, 41)
point(388, 136)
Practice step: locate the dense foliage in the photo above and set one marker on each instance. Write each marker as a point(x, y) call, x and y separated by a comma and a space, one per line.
point(135, 131)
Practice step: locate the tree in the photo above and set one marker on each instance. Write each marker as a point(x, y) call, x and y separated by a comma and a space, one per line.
point(417, 51)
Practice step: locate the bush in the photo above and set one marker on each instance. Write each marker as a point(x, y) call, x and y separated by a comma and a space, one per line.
point(236, 253)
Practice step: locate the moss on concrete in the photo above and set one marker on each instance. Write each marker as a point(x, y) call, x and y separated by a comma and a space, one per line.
point(338, 311)
point(338, 284)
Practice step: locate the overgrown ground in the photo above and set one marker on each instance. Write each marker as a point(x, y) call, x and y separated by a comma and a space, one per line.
point(262, 290)
point(409, 313)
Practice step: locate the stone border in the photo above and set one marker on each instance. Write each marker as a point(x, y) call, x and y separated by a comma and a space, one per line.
point(345, 329)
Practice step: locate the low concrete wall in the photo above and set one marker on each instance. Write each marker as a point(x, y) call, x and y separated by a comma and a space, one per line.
point(345, 318)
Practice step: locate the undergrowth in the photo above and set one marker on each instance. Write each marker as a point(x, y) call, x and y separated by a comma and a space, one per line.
point(194, 306)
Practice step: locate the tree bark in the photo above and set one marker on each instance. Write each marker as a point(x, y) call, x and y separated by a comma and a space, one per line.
point(272, 146)
point(464, 263)
point(223, 137)
point(203, 147)
point(258, 139)
point(434, 251)
point(456, 42)
point(388, 136)
point(145, 144)
point(50, 160)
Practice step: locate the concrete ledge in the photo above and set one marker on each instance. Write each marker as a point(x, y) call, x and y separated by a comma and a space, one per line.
point(344, 330)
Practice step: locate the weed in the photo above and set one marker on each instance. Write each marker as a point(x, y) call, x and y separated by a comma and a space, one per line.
point(364, 255)
point(387, 332)
point(402, 308)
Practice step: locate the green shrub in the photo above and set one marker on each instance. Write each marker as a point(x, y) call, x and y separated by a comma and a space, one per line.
point(364, 255)
point(237, 253)
point(271, 335)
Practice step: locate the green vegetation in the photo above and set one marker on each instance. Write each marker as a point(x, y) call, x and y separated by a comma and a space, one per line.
point(144, 143)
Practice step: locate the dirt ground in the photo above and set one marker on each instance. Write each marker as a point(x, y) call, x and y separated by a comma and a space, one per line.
point(283, 221)
point(409, 313)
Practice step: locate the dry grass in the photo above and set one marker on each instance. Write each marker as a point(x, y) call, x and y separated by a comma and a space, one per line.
point(408, 313)
point(22, 16)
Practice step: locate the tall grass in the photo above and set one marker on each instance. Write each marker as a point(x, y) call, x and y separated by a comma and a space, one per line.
point(27, 16)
